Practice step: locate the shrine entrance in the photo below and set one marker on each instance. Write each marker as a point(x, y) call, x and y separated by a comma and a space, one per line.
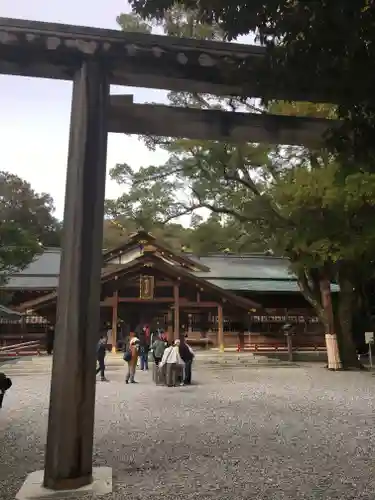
point(94, 59)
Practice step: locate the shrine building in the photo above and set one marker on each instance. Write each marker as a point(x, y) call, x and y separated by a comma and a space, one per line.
point(217, 300)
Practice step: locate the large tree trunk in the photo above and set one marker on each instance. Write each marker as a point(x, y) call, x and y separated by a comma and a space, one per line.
point(345, 316)
point(333, 353)
point(318, 293)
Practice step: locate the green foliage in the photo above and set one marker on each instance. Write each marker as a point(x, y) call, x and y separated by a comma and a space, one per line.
point(331, 218)
point(314, 207)
point(17, 249)
point(326, 47)
point(294, 201)
point(133, 24)
point(26, 224)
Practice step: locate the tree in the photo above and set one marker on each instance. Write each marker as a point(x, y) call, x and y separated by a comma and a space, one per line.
point(337, 38)
point(26, 224)
point(245, 184)
point(332, 237)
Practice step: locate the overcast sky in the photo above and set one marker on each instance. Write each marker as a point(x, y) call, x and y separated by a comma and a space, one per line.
point(34, 123)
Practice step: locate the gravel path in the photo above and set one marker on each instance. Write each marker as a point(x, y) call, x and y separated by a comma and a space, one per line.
point(268, 433)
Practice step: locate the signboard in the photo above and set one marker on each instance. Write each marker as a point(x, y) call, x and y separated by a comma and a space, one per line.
point(146, 287)
point(284, 319)
point(369, 337)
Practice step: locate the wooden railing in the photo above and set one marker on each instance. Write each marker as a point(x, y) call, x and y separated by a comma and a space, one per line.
point(22, 349)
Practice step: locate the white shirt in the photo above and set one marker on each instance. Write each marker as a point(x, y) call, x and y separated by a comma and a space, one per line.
point(109, 336)
point(171, 355)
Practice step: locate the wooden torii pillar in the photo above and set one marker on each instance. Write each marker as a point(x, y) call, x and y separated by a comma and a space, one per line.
point(68, 461)
point(114, 320)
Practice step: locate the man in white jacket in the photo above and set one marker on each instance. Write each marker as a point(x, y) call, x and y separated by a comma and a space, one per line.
point(172, 363)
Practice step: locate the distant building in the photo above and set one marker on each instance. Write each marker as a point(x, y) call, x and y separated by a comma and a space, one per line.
point(218, 300)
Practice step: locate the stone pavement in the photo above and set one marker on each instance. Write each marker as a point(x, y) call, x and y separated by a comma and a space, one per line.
point(239, 433)
point(42, 364)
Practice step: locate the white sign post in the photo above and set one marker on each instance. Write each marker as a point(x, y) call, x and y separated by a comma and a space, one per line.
point(369, 339)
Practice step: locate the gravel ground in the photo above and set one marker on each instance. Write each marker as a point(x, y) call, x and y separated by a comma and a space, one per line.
point(267, 433)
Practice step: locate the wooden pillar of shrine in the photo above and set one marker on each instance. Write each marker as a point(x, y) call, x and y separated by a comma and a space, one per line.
point(170, 327)
point(289, 343)
point(220, 328)
point(68, 460)
point(114, 321)
point(176, 323)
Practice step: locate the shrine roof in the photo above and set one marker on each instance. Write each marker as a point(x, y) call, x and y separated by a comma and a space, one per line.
point(245, 266)
point(43, 272)
point(261, 286)
point(137, 265)
point(237, 273)
point(252, 273)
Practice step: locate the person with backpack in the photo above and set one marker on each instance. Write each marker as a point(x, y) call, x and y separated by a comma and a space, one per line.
point(158, 348)
point(100, 353)
point(5, 384)
point(131, 357)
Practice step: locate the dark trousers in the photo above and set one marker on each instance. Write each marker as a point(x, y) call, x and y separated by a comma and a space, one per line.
point(1, 398)
point(157, 360)
point(101, 367)
point(187, 372)
point(144, 361)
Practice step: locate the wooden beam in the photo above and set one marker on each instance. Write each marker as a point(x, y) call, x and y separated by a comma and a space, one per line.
point(176, 311)
point(157, 119)
point(158, 284)
point(68, 460)
point(156, 300)
point(220, 328)
point(51, 50)
point(187, 303)
point(107, 302)
point(114, 321)
point(170, 326)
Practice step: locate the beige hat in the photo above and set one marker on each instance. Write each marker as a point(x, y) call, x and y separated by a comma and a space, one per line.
point(177, 342)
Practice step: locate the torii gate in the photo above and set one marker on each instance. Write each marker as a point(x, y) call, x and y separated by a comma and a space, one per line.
point(93, 59)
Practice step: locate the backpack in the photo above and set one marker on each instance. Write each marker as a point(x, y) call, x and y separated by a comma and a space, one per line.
point(128, 355)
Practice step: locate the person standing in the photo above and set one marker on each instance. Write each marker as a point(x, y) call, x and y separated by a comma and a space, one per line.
point(50, 337)
point(144, 347)
point(100, 352)
point(158, 348)
point(131, 357)
point(187, 356)
point(172, 364)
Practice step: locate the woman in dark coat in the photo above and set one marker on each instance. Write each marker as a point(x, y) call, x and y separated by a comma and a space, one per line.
point(187, 356)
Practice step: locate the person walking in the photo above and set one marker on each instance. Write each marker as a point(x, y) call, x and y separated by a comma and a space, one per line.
point(144, 347)
point(100, 352)
point(158, 348)
point(131, 357)
point(187, 356)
